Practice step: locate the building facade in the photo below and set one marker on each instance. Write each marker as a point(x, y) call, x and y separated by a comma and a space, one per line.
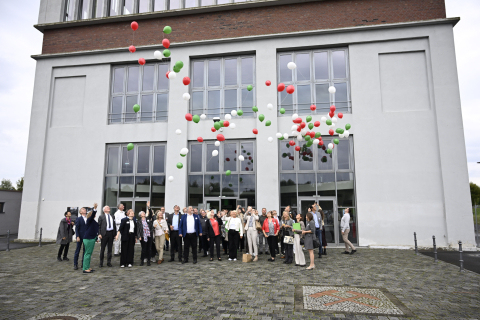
point(10, 201)
point(403, 168)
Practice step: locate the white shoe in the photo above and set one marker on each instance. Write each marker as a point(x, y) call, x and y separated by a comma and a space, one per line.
point(229, 259)
point(129, 265)
point(153, 260)
point(122, 266)
point(144, 260)
point(234, 259)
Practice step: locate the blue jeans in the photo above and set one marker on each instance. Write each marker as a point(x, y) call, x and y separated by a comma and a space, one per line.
point(318, 233)
point(77, 252)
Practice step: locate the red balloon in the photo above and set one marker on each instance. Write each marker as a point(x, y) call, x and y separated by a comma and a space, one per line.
point(186, 81)
point(332, 108)
point(298, 120)
point(226, 123)
point(302, 125)
point(141, 61)
point(312, 134)
point(290, 89)
point(200, 139)
point(220, 137)
point(166, 74)
point(255, 131)
point(321, 143)
point(291, 142)
point(297, 148)
point(268, 83)
point(313, 107)
point(249, 158)
point(213, 129)
point(331, 132)
point(340, 115)
point(299, 128)
point(246, 169)
point(132, 49)
point(316, 123)
point(166, 43)
point(189, 117)
point(331, 114)
point(281, 87)
point(134, 25)
point(320, 138)
point(227, 159)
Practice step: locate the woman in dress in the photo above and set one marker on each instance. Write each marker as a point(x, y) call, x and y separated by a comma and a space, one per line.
point(299, 256)
point(309, 233)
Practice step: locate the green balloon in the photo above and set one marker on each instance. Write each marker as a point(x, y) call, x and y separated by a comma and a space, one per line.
point(183, 155)
point(329, 151)
point(307, 138)
point(282, 111)
point(166, 53)
point(347, 126)
point(318, 135)
point(221, 124)
point(249, 87)
point(309, 118)
point(136, 108)
point(167, 29)
point(179, 165)
point(130, 146)
point(239, 112)
point(335, 141)
point(310, 126)
point(179, 64)
point(329, 122)
point(268, 123)
point(281, 138)
point(228, 172)
point(196, 118)
point(309, 143)
point(339, 130)
point(176, 69)
point(254, 109)
point(216, 125)
point(261, 117)
point(342, 131)
point(230, 185)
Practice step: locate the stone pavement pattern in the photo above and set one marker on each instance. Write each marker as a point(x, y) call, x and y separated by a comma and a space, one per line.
point(32, 283)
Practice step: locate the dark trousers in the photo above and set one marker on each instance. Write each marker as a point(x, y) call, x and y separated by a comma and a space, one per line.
point(215, 240)
point(146, 248)
point(165, 246)
point(318, 233)
point(205, 243)
point(107, 241)
point(190, 239)
point(241, 243)
point(63, 247)
point(276, 244)
point(176, 244)
point(282, 245)
point(288, 252)
point(233, 239)
point(272, 243)
point(128, 249)
point(153, 248)
point(224, 245)
point(77, 252)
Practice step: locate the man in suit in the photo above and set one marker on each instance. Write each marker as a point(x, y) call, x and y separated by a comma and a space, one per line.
point(80, 227)
point(107, 231)
point(190, 228)
point(173, 223)
point(317, 218)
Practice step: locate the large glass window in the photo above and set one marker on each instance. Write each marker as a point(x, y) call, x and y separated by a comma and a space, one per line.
point(316, 71)
point(146, 86)
point(220, 86)
point(207, 173)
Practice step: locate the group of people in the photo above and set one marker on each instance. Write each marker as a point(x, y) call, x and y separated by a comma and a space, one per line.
point(181, 232)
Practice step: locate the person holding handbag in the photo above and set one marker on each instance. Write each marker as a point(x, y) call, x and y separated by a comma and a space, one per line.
point(287, 226)
point(270, 231)
point(214, 234)
point(251, 229)
point(161, 230)
point(234, 225)
point(299, 256)
point(309, 233)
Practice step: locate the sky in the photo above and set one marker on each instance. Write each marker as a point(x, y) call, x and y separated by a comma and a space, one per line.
point(20, 39)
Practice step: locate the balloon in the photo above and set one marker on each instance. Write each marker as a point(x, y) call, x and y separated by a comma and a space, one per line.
point(269, 106)
point(303, 132)
point(132, 49)
point(254, 109)
point(281, 87)
point(172, 75)
point(346, 133)
point(278, 135)
point(228, 172)
point(309, 118)
point(316, 123)
point(331, 114)
point(339, 130)
point(186, 96)
point(309, 143)
point(318, 135)
point(203, 117)
point(330, 146)
point(178, 131)
point(261, 117)
point(297, 148)
point(158, 55)
point(307, 138)
point(166, 74)
point(249, 87)
point(179, 165)
point(232, 125)
point(255, 131)
point(184, 151)
point(179, 64)
point(294, 127)
point(297, 120)
point(196, 118)
point(220, 137)
point(268, 83)
point(310, 126)
point(282, 110)
point(166, 53)
point(217, 143)
point(332, 108)
point(141, 61)
point(334, 119)
point(329, 151)
point(303, 125)
point(130, 146)
point(241, 158)
point(217, 125)
point(166, 43)
point(329, 122)
point(331, 132)
point(200, 139)
point(228, 116)
point(323, 119)
point(347, 126)
point(213, 129)
point(281, 138)
point(176, 69)
point(332, 89)
point(299, 128)
point(226, 123)
point(233, 113)
point(239, 112)
point(268, 123)
point(188, 117)
point(167, 30)
point(215, 153)
point(321, 143)
point(291, 142)
point(170, 178)
point(285, 136)
point(294, 116)
point(335, 141)
point(341, 135)
point(340, 115)
point(270, 139)
point(290, 89)
point(136, 108)
point(313, 107)
point(291, 65)
point(316, 141)
point(311, 134)
point(134, 25)
point(186, 81)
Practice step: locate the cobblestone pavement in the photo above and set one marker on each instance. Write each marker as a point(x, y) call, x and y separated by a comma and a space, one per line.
point(33, 283)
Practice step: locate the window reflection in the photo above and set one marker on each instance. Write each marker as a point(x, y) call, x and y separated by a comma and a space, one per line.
point(306, 184)
point(230, 156)
point(127, 160)
point(132, 84)
point(195, 190)
point(305, 156)
point(146, 111)
point(230, 185)
point(143, 160)
point(345, 189)
point(285, 73)
point(130, 115)
point(148, 75)
point(214, 73)
point(118, 77)
point(339, 66)
point(158, 159)
point(195, 158)
point(162, 107)
point(214, 103)
point(303, 66)
point(126, 187)
point(343, 155)
point(324, 159)
point(247, 71)
point(142, 187)
point(212, 185)
point(112, 167)
point(288, 189)
point(326, 184)
point(212, 162)
point(158, 191)
point(111, 191)
point(247, 188)
point(321, 65)
point(247, 152)
point(287, 155)
point(230, 72)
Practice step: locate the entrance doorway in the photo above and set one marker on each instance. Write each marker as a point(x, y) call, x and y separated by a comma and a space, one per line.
point(331, 220)
point(137, 205)
point(224, 203)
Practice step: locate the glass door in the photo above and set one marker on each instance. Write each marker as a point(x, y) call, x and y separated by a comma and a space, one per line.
point(140, 204)
point(242, 203)
point(212, 203)
point(328, 205)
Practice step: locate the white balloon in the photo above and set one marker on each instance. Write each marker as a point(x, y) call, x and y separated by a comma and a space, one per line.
point(158, 55)
point(270, 139)
point(323, 119)
point(170, 178)
point(294, 133)
point(186, 96)
point(332, 126)
point(278, 135)
point(330, 146)
point(270, 106)
point(221, 130)
point(316, 141)
point(215, 153)
point(334, 119)
point(294, 127)
point(332, 89)
point(328, 115)
point(217, 143)
point(232, 125)
point(228, 117)
point(304, 131)
point(346, 133)
point(294, 116)
point(178, 131)
point(285, 136)
point(172, 75)
point(299, 137)
point(241, 158)
point(184, 151)
point(203, 117)
point(341, 135)
point(291, 65)
point(233, 113)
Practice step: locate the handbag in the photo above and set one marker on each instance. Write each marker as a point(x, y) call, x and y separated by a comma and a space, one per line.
point(316, 243)
point(167, 237)
point(258, 226)
point(288, 240)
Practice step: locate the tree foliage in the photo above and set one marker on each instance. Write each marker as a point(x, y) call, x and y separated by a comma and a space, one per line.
point(20, 184)
point(475, 193)
point(6, 185)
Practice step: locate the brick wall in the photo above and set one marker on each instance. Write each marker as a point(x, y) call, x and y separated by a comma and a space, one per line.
point(242, 22)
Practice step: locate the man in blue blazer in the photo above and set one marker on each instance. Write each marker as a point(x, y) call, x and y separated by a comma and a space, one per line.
point(80, 227)
point(190, 229)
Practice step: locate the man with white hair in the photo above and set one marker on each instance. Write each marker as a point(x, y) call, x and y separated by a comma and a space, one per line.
point(107, 231)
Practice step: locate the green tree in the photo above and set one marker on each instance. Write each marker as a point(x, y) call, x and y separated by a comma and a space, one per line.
point(475, 193)
point(20, 184)
point(6, 185)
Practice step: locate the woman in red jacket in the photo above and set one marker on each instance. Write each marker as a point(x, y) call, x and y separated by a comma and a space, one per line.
point(270, 231)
